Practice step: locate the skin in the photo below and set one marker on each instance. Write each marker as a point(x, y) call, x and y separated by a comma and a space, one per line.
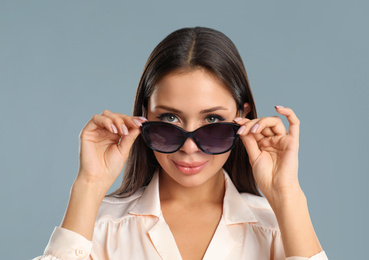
point(191, 204)
point(273, 154)
point(175, 97)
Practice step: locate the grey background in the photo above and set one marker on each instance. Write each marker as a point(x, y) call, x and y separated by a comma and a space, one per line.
point(63, 61)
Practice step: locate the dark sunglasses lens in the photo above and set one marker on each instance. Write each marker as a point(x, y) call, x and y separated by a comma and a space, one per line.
point(216, 138)
point(163, 138)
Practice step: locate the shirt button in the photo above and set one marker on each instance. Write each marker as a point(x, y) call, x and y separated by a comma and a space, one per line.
point(81, 252)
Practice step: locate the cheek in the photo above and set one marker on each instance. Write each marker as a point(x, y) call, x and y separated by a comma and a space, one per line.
point(220, 159)
point(162, 158)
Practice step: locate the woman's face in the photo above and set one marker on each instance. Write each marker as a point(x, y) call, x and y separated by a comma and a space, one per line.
point(191, 100)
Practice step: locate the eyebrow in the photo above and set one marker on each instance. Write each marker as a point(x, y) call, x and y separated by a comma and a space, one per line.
point(204, 111)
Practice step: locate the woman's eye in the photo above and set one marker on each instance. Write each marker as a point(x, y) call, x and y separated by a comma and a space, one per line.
point(214, 119)
point(168, 118)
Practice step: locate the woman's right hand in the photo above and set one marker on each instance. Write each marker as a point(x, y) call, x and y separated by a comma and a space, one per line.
point(105, 143)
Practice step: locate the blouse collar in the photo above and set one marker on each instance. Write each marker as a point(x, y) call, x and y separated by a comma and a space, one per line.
point(235, 208)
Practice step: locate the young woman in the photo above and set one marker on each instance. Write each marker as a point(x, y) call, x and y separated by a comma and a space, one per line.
point(196, 156)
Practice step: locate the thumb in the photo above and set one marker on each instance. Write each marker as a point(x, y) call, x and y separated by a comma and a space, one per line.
point(251, 146)
point(127, 141)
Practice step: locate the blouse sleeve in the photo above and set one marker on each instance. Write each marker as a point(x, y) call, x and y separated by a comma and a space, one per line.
point(320, 256)
point(66, 244)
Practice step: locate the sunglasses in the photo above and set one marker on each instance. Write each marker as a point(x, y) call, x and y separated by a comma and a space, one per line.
point(216, 138)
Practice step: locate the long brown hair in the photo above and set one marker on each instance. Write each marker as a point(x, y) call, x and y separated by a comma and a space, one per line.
point(189, 49)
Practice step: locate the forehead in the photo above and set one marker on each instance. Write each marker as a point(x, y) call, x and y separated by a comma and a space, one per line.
point(196, 89)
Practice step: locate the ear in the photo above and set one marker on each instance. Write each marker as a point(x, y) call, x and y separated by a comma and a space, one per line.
point(245, 111)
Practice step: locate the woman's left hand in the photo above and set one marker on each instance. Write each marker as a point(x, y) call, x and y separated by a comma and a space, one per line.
point(273, 153)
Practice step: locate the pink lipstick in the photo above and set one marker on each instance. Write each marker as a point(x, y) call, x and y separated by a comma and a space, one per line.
point(190, 168)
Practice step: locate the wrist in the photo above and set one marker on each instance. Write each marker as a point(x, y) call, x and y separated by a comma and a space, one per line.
point(83, 206)
point(292, 214)
point(90, 190)
point(286, 199)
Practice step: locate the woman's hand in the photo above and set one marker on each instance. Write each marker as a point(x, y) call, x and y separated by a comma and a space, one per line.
point(105, 142)
point(273, 153)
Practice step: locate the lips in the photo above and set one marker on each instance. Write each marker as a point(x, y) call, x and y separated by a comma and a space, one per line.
point(189, 168)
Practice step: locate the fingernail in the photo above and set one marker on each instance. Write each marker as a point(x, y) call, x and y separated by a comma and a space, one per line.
point(237, 119)
point(143, 118)
point(279, 106)
point(138, 123)
point(125, 130)
point(254, 128)
point(115, 130)
point(241, 129)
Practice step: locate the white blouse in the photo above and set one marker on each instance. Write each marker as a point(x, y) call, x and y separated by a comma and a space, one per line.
point(134, 228)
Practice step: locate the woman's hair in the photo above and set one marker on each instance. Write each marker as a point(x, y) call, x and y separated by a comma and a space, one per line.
point(189, 49)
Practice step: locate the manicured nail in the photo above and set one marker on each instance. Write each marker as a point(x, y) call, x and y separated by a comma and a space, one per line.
point(279, 106)
point(125, 130)
point(254, 128)
point(138, 123)
point(115, 130)
point(241, 129)
point(143, 118)
point(237, 119)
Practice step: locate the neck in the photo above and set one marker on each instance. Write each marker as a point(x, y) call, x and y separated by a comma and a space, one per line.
point(210, 192)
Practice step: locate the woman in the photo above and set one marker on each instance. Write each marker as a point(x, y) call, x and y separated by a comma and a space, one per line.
point(195, 156)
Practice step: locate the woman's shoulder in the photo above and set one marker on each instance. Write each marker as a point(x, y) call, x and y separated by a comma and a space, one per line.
point(262, 211)
point(116, 208)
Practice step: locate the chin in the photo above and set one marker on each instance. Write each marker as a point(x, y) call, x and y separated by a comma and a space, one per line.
point(194, 179)
point(191, 170)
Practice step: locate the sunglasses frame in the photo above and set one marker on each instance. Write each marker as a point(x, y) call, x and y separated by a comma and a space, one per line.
point(188, 135)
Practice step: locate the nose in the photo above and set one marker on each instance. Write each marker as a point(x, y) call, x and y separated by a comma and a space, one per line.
point(189, 146)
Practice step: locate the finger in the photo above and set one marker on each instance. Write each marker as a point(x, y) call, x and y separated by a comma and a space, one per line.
point(273, 123)
point(261, 126)
point(127, 141)
point(123, 122)
point(135, 122)
point(246, 125)
point(99, 121)
point(241, 120)
point(118, 122)
point(251, 146)
point(258, 137)
point(130, 127)
point(294, 128)
point(248, 139)
point(266, 132)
